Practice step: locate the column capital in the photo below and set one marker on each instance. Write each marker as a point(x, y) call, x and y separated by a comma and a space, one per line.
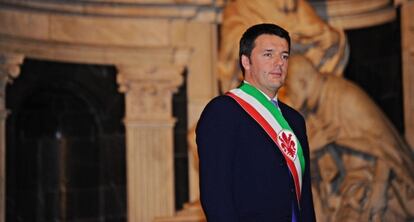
point(10, 65)
point(9, 70)
point(148, 90)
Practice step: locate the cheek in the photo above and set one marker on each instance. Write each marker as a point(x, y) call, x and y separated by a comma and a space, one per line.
point(265, 65)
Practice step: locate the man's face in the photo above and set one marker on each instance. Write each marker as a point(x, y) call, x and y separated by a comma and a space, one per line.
point(267, 67)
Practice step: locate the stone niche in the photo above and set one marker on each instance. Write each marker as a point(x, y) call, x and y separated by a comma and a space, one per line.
point(65, 144)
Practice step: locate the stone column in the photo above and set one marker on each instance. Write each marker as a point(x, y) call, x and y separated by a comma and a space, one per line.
point(149, 138)
point(407, 35)
point(9, 69)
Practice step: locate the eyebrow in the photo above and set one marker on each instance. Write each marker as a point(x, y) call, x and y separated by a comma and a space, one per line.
point(272, 50)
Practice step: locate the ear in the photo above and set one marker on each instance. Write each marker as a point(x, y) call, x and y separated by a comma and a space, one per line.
point(245, 61)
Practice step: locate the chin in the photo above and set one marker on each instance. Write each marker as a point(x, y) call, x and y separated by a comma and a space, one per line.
point(276, 83)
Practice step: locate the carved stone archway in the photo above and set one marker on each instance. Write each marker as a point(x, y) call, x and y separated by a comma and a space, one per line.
point(150, 44)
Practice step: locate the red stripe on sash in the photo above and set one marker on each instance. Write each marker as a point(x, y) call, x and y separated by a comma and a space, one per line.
point(256, 116)
point(295, 175)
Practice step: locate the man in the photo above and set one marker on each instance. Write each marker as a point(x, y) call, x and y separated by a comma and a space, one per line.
point(253, 149)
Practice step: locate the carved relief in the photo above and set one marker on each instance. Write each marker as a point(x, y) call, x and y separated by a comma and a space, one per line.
point(362, 167)
point(324, 45)
point(407, 47)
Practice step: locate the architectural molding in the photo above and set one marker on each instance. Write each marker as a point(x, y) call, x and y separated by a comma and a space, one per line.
point(92, 54)
point(47, 33)
point(188, 9)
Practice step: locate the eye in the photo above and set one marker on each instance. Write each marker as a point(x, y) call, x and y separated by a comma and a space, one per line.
point(268, 54)
point(285, 56)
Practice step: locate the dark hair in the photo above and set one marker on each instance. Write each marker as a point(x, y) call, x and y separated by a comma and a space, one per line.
point(250, 35)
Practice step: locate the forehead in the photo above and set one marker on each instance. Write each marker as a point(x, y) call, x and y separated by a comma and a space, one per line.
point(268, 41)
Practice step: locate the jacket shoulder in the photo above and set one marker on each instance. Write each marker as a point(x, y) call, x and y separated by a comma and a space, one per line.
point(221, 105)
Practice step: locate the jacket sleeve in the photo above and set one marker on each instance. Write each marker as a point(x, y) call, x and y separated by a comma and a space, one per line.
point(216, 143)
point(308, 211)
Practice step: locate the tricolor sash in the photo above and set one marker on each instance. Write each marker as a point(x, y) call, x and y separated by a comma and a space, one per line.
point(270, 118)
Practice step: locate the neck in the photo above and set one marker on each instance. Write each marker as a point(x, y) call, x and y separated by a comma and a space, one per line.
point(269, 93)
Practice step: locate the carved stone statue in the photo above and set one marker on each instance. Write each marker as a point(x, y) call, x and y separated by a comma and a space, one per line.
point(362, 169)
point(324, 45)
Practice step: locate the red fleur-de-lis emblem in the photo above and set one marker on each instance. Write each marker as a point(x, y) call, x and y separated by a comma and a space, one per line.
point(287, 143)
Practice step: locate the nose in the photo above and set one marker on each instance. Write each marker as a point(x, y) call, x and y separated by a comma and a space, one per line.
point(278, 61)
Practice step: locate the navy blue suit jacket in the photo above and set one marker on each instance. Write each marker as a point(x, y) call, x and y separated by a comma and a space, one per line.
point(243, 175)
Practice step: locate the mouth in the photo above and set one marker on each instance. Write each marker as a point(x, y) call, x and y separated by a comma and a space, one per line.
point(276, 74)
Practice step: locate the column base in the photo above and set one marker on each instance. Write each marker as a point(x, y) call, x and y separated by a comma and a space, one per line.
point(192, 212)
